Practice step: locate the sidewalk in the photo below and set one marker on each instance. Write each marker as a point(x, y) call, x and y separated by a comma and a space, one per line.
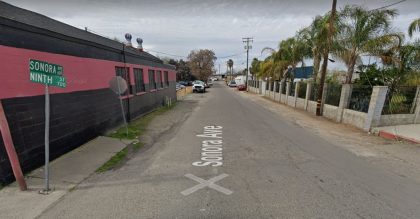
point(66, 172)
point(409, 133)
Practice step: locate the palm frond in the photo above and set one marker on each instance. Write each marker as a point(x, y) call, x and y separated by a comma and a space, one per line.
point(414, 26)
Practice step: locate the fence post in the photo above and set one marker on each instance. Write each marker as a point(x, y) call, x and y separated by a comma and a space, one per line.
point(308, 94)
point(376, 105)
point(274, 90)
point(296, 93)
point(262, 88)
point(260, 85)
point(281, 89)
point(345, 96)
point(417, 110)
point(324, 97)
point(287, 91)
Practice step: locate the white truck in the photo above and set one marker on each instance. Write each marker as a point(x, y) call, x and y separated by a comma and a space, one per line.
point(240, 80)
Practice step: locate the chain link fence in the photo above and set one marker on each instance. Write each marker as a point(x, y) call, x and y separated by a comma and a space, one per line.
point(302, 90)
point(400, 100)
point(333, 94)
point(360, 98)
point(277, 86)
point(314, 92)
point(283, 91)
point(292, 89)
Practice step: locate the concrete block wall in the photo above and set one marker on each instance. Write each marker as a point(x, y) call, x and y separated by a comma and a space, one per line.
point(354, 118)
point(300, 103)
point(341, 113)
point(396, 119)
point(330, 111)
point(312, 107)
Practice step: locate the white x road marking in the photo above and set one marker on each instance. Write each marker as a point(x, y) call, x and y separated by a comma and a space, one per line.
point(206, 183)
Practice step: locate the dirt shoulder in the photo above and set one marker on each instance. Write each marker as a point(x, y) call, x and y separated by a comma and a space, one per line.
point(400, 157)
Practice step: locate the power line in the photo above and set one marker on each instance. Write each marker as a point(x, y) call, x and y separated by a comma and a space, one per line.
point(386, 6)
point(223, 57)
point(149, 50)
point(229, 56)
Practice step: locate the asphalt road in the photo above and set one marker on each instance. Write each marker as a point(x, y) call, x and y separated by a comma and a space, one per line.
point(270, 168)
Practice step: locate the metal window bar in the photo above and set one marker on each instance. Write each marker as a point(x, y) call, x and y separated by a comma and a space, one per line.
point(152, 81)
point(159, 79)
point(123, 72)
point(138, 76)
point(166, 78)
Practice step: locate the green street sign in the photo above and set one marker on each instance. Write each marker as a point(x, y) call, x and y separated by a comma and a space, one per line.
point(48, 79)
point(45, 67)
point(46, 73)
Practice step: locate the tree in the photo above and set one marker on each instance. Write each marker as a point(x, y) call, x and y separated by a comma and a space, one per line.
point(362, 32)
point(183, 72)
point(291, 52)
point(272, 66)
point(201, 63)
point(314, 37)
point(414, 26)
point(255, 67)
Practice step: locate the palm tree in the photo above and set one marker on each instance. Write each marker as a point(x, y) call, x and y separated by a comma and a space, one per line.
point(230, 65)
point(255, 67)
point(414, 26)
point(314, 36)
point(268, 68)
point(294, 50)
point(362, 32)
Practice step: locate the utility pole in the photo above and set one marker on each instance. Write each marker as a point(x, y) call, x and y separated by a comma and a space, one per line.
point(325, 58)
point(247, 40)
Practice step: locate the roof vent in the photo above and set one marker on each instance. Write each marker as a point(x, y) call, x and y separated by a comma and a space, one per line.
point(128, 39)
point(139, 44)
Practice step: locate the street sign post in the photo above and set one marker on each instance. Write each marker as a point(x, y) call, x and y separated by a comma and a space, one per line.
point(51, 75)
point(119, 86)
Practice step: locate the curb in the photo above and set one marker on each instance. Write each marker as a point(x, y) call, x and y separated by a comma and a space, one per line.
point(392, 136)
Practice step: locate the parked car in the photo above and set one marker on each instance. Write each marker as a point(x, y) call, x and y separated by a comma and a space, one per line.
point(199, 86)
point(185, 83)
point(179, 86)
point(210, 82)
point(242, 87)
point(232, 84)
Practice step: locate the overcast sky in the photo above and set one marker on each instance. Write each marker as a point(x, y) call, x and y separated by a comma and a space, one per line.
point(177, 27)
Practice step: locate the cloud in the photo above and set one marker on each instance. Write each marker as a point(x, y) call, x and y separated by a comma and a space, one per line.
point(177, 27)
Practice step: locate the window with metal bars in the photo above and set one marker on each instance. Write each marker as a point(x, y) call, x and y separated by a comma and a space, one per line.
point(124, 73)
point(159, 79)
point(166, 78)
point(152, 79)
point(138, 76)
